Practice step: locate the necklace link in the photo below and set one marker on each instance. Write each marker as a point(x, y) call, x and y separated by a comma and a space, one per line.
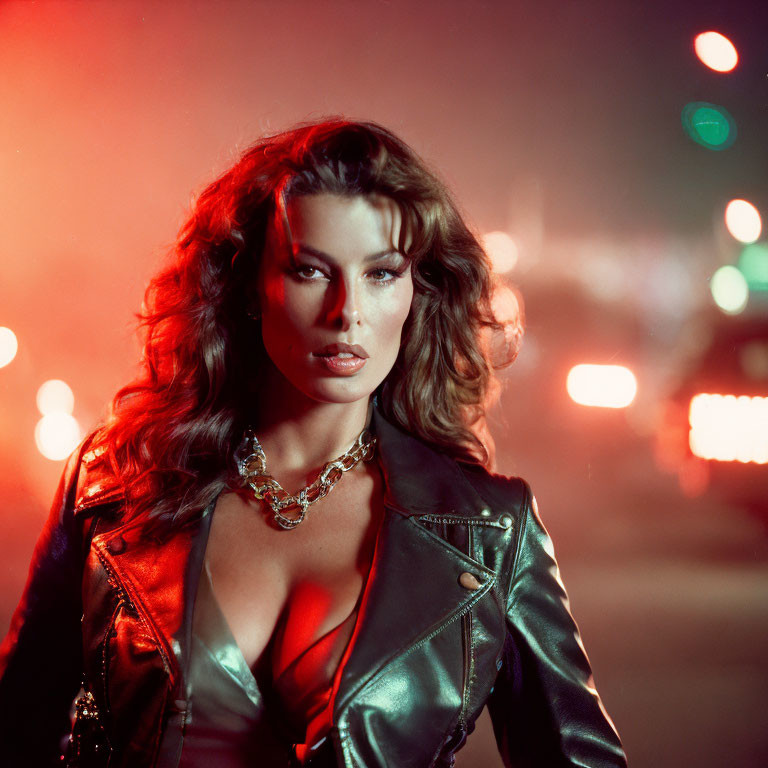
point(252, 465)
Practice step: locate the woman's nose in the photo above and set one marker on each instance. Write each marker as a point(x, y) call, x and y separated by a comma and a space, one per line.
point(346, 311)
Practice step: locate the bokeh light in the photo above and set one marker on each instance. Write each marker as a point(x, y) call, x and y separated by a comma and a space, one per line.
point(9, 346)
point(57, 435)
point(729, 428)
point(54, 396)
point(506, 304)
point(729, 290)
point(753, 264)
point(507, 308)
point(501, 250)
point(709, 125)
point(716, 51)
point(743, 221)
point(602, 386)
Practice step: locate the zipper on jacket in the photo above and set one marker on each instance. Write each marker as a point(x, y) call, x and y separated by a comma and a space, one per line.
point(104, 652)
point(466, 628)
point(125, 601)
point(503, 521)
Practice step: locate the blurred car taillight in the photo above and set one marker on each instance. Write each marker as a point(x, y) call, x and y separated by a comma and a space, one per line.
point(601, 386)
point(712, 429)
point(729, 428)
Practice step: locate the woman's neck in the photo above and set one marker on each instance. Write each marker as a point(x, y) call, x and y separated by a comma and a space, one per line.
point(299, 434)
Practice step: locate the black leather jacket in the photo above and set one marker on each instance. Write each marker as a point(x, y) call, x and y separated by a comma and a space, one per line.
point(463, 608)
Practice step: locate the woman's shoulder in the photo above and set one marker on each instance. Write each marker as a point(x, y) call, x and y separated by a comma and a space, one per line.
point(502, 493)
point(425, 476)
point(96, 482)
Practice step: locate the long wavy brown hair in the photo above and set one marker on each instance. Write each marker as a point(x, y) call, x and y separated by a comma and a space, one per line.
point(171, 433)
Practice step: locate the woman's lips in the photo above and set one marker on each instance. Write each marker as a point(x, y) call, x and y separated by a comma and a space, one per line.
point(342, 364)
point(341, 348)
point(342, 359)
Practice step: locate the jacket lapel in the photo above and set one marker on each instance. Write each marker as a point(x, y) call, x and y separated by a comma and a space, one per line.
point(160, 580)
point(413, 588)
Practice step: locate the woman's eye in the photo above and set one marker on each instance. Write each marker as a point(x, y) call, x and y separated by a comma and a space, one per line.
point(307, 272)
point(384, 275)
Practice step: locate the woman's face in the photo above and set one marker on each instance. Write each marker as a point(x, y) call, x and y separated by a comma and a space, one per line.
point(334, 293)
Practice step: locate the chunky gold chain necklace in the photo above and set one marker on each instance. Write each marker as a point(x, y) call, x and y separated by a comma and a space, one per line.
point(252, 464)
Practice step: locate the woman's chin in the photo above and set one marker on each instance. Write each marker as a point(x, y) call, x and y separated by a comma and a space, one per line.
point(339, 390)
point(345, 394)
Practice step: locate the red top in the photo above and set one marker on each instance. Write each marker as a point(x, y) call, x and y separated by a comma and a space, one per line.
point(305, 686)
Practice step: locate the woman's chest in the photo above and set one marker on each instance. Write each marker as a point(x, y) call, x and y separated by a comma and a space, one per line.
point(283, 591)
point(425, 634)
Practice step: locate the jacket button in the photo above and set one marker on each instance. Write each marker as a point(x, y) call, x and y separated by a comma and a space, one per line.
point(116, 546)
point(505, 521)
point(469, 581)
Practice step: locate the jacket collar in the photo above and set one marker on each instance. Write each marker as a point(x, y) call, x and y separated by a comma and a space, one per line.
point(419, 480)
point(411, 592)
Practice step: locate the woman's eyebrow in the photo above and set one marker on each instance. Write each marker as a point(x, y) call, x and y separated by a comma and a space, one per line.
point(309, 250)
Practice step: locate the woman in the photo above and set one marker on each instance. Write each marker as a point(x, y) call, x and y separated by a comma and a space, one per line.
point(325, 303)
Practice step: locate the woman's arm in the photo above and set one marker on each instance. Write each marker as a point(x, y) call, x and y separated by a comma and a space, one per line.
point(544, 706)
point(41, 657)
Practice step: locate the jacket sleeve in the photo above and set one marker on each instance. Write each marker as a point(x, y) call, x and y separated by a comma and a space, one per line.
point(41, 657)
point(544, 707)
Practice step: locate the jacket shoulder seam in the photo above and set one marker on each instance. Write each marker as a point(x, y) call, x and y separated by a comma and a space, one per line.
point(96, 484)
point(521, 529)
point(483, 481)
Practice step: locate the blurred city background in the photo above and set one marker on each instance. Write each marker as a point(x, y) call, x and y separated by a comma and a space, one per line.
point(612, 156)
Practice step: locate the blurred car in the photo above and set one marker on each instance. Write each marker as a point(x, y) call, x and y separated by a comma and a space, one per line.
point(713, 430)
point(542, 432)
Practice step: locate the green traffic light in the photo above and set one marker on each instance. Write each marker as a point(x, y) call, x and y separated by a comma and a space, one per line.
point(709, 125)
point(753, 264)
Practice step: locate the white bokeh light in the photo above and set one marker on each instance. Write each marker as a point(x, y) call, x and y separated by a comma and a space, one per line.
point(55, 396)
point(716, 51)
point(729, 289)
point(9, 346)
point(501, 250)
point(743, 221)
point(57, 435)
